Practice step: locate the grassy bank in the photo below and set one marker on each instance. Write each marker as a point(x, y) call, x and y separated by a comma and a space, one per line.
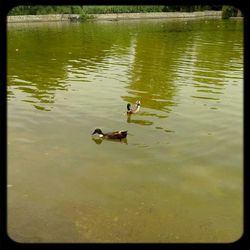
point(106, 9)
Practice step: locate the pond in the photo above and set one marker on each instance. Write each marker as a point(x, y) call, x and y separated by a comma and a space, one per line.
point(177, 177)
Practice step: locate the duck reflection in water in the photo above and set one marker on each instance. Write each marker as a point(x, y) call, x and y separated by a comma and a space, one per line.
point(100, 140)
point(136, 121)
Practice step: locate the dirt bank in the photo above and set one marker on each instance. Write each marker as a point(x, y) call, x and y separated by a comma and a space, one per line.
point(112, 17)
point(155, 15)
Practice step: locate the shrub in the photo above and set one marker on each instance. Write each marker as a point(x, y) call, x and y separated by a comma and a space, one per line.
point(228, 11)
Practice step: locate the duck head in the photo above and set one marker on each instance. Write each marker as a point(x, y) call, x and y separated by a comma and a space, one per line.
point(128, 106)
point(97, 131)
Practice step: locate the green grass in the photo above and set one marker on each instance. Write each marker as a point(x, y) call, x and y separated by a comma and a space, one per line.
point(99, 9)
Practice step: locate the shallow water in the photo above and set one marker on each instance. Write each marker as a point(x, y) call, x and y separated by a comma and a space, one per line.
point(178, 177)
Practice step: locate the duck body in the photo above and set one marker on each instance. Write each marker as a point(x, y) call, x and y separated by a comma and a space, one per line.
point(132, 109)
point(111, 135)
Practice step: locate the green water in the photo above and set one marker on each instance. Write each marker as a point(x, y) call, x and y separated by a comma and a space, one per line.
point(179, 175)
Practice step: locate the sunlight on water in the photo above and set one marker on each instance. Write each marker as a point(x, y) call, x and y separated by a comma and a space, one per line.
point(177, 177)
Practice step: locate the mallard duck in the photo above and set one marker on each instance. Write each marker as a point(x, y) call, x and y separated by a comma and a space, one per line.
point(134, 108)
point(111, 135)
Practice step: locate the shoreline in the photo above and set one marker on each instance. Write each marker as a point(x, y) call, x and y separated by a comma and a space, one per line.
point(114, 16)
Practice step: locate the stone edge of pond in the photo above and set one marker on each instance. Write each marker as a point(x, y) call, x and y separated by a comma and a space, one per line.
point(114, 17)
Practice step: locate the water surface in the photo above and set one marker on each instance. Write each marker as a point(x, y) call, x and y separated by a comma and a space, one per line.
point(179, 175)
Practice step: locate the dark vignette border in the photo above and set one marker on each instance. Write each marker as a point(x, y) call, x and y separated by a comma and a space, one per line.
point(5, 241)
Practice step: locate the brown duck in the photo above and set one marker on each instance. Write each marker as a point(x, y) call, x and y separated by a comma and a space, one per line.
point(111, 135)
